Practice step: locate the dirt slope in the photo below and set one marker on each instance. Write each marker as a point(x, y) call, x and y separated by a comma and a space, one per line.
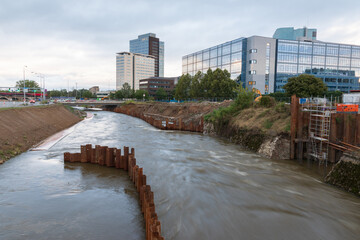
point(21, 128)
point(185, 116)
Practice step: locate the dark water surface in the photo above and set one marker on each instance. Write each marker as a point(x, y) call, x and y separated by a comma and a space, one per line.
point(205, 188)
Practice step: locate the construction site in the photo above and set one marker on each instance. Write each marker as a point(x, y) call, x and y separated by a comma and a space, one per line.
point(323, 129)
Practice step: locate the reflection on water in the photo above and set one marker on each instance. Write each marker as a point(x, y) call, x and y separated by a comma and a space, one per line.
point(205, 188)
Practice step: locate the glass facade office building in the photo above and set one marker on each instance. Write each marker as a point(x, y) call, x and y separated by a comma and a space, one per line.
point(338, 65)
point(149, 44)
point(229, 56)
point(267, 63)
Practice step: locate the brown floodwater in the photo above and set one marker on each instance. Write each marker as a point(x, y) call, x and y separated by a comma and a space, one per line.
point(205, 188)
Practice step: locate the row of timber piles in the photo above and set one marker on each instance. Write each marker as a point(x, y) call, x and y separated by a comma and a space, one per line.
point(344, 134)
point(112, 157)
point(164, 122)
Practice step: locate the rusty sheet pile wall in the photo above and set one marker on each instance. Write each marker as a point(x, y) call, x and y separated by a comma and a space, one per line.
point(111, 157)
point(344, 134)
point(163, 122)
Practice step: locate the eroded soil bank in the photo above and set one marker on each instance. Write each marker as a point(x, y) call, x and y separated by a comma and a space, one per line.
point(22, 128)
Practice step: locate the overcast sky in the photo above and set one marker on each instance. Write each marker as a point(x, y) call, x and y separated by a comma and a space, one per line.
point(76, 41)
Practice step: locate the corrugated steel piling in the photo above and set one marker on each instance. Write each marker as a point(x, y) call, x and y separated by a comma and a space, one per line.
point(111, 157)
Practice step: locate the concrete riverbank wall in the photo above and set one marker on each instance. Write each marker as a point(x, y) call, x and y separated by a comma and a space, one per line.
point(112, 157)
point(22, 128)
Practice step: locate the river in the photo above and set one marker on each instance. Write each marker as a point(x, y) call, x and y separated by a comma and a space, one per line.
point(204, 187)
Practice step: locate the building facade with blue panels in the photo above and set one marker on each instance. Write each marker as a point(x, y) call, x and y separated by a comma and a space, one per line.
point(267, 63)
point(149, 44)
point(338, 65)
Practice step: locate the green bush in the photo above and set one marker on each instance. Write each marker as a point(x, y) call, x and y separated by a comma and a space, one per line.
point(280, 107)
point(267, 101)
point(243, 100)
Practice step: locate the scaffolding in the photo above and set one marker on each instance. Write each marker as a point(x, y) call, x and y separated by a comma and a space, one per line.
point(320, 110)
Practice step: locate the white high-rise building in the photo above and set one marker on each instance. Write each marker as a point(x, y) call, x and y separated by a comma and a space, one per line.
point(131, 67)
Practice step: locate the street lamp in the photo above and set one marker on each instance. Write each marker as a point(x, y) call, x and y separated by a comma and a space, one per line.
point(24, 82)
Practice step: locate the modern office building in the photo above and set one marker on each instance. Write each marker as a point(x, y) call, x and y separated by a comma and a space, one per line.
point(266, 63)
point(131, 67)
point(289, 33)
point(152, 84)
point(149, 44)
point(94, 89)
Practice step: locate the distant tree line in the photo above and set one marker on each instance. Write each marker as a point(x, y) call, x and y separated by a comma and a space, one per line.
point(212, 84)
point(127, 92)
point(80, 93)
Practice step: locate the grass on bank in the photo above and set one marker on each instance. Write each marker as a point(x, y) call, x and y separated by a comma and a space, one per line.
point(265, 114)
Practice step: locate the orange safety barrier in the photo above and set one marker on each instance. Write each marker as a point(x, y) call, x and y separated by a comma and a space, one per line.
point(349, 108)
point(111, 157)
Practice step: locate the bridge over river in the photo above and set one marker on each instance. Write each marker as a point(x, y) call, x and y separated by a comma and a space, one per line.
point(205, 188)
point(94, 103)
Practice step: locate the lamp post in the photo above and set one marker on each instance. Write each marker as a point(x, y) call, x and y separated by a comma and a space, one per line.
point(24, 82)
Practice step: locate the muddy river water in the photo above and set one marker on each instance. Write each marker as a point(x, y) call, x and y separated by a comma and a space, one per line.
point(205, 188)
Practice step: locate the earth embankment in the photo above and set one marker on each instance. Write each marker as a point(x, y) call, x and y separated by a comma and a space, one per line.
point(172, 116)
point(22, 128)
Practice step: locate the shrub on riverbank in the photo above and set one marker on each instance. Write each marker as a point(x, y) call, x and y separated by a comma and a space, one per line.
point(266, 116)
point(244, 99)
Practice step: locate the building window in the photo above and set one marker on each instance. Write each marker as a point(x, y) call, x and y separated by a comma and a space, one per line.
point(252, 72)
point(252, 82)
point(253, 50)
point(253, 61)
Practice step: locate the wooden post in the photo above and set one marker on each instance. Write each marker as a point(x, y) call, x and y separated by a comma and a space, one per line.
point(332, 137)
point(126, 158)
point(97, 154)
point(102, 156)
point(117, 158)
point(110, 157)
point(294, 118)
point(300, 143)
point(67, 157)
point(357, 133)
point(347, 128)
point(83, 153)
point(88, 152)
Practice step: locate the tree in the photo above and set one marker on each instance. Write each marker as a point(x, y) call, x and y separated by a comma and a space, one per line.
point(84, 93)
point(182, 91)
point(141, 94)
point(305, 85)
point(118, 94)
point(222, 86)
point(161, 94)
point(28, 84)
point(195, 88)
point(127, 91)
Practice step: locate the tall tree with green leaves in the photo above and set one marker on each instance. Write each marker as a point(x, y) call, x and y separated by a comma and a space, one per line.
point(28, 84)
point(141, 94)
point(195, 88)
point(182, 91)
point(126, 91)
point(305, 85)
point(222, 86)
point(205, 84)
point(161, 94)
